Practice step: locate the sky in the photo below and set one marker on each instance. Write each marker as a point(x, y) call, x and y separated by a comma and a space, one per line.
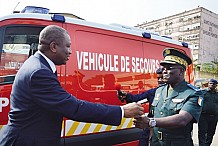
point(125, 12)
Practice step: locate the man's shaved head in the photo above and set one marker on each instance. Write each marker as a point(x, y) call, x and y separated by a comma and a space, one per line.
point(54, 42)
point(49, 34)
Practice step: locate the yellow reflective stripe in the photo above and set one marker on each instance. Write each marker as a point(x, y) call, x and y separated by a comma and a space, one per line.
point(108, 128)
point(63, 123)
point(77, 128)
point(130, 124)
point(97, 128)
point(63, 130)
point(73, 128)
point(85, 128)
point(121, 125)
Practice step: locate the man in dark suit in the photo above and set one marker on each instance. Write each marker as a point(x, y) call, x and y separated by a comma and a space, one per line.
point(39, 103)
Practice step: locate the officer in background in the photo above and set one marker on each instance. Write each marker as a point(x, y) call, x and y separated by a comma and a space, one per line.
point(177, 105)
point(149, 95)
point(209, 115)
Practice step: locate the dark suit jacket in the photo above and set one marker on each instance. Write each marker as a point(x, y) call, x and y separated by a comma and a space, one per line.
point(149, 95)
point(39, 103)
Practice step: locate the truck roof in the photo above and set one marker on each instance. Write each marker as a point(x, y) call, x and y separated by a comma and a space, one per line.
point(111, 27)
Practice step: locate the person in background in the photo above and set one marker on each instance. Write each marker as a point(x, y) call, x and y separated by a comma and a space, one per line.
point(177, 104)
point(209, 115)
point(149, 95)
point(38, 103)
point(140, 87)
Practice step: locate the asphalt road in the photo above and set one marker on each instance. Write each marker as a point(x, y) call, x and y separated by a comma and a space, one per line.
point(195, 136)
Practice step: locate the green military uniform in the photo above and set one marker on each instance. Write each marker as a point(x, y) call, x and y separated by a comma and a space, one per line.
point(170, 101)
point(183, 97)
point(208, 119)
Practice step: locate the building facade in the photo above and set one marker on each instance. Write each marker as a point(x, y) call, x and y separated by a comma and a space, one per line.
point(197, 27)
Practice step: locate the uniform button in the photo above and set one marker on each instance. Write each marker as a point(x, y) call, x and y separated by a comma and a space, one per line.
point(161, 113)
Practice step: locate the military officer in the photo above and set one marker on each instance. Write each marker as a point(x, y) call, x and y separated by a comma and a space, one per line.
point(177, 105)
point(149, 95)
point(209, 115)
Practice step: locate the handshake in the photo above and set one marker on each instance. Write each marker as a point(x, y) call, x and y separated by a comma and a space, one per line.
point(137, 111)
point(133, 110)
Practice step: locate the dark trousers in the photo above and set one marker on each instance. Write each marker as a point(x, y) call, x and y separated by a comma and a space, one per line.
point(206, 129)
point(143, 141)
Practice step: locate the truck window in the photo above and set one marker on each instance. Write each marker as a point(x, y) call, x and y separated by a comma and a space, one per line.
point(17, 44)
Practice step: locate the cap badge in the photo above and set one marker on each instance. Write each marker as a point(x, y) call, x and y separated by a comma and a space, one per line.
point(167, 52)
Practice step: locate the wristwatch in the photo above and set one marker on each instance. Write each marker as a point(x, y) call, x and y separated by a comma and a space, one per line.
point(152, 122)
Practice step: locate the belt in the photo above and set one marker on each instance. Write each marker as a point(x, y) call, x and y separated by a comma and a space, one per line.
point(164, 136)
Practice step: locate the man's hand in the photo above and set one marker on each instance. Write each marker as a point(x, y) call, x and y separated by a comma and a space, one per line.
point(121, 95)
point(133, 110)
point(141, 122)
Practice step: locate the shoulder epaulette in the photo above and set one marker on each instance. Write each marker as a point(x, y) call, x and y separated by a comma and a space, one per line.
point(193, 87)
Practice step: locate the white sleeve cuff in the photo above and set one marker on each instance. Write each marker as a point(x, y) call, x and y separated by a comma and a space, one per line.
point(122, 110)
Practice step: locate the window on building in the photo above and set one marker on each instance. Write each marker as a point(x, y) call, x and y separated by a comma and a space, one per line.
point(180, 19)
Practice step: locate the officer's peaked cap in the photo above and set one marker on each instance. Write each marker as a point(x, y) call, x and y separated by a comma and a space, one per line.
point(174, 56)
point(213, 80)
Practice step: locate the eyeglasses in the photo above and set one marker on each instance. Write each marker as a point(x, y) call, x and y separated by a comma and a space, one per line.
point(172, 67)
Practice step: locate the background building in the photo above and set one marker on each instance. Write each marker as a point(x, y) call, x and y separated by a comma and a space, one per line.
point(197, 27)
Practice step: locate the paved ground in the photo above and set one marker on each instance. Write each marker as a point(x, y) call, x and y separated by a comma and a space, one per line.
point(195, 136)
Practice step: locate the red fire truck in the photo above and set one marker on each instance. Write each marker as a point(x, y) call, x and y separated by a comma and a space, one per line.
point(102, 55)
